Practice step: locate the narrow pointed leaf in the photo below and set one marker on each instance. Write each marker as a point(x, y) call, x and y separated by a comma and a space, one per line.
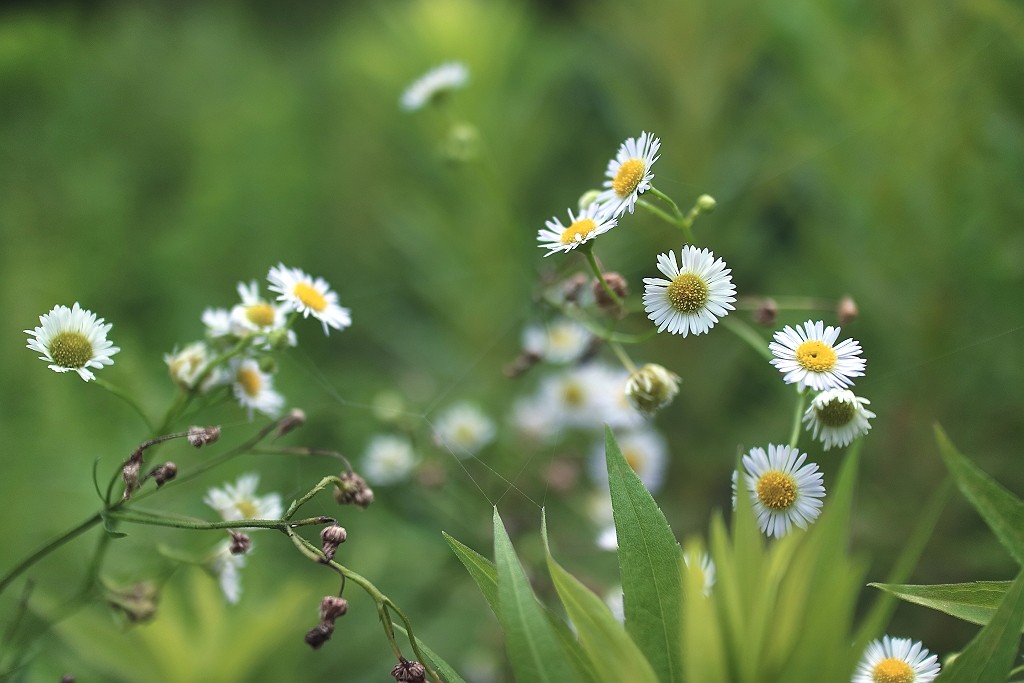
point(1001, 510)
point(990, 656)
point(534, 649)
point(975, 602)
point(649, 567)
point(614, 656)
point(480, 568)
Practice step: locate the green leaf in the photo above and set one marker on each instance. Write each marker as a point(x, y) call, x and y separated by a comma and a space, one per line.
point(649, 567)
point(108, 526)
point(483, 571)
point(1001, 510)
point(990, 656)
point(615, 657)
point(975, 602)
point(533, 646)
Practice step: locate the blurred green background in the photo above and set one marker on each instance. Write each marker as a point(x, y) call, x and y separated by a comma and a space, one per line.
point(153, 156)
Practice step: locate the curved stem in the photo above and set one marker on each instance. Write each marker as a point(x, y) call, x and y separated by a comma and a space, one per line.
point(154, 519)
point(623, 356)
point(296, 504)
point(116, 391)
point(592, 260)
point(747, 334)
point(48, 548)
point(794, 434)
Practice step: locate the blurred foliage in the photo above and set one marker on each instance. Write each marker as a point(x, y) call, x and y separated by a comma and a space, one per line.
point(153, 156)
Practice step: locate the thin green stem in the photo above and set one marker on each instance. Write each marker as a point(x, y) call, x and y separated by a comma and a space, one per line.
point(623, 356)
point(412, 638)
point(117, 391)
point(794, 434)
point(155, 519)
point(93, 572)
point(684, 223)
point(48, 548)
point(296, 504)
point(592, 260)
point(657, 212)
point(747, 334)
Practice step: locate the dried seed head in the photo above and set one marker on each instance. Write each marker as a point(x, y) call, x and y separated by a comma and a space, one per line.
point(202, 436)
point(332, 607)
point(293, 420)
point(617, 283)
point(766, 312)
point(413, 672)
point(332, 537)
point(847, 310)
point(164, 473)
point(319, 634)
point(130, 474)
point(240, 543)
point(353, 490)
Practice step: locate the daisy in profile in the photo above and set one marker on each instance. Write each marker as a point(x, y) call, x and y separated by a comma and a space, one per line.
point(72, 339)
point(239, 500)
point(784, 491)
point(388, 459)
point(697, 293)
point(896, 660)
point(308, 296)
point(463, 429)
point(837, 417)
point(590, 223)
point(226, 568)
point(254, 389)
point(560, 341)
point(810, 357)
point(629, 174)
point(186, 366)
point(434, 84)
point(646, 452)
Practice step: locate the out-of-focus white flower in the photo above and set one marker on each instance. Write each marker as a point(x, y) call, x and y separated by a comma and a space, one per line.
point(218, 323)
point(463, 429)
point(186, 366)
point(582, 228)
point(72, 340)
point(309, 296)
point(257, 316)
point(239, 500)
point(646, 452)
point(434, 84)
point(227, 567)
point(560, 341)
point(388, 459)
point(707, 569)
point(254, 389)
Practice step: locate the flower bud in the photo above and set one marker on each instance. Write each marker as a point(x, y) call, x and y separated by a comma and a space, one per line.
point(766, 312)
point(202, 436)
point(706, 203)
point(412, 672)
point(293, 420)
point(353, 491)
point(616, 283)
point(847, 310)
point(651, 388)
point(588, 198)
point(240, 543)
point(164, 473)
point(319, 634)
point(332, 607)
point(332, 537)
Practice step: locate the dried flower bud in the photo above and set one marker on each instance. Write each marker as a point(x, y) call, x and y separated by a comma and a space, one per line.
point(572, 288)
point(293, 420)
point(766, 312)
point(319, 634)
point(616, 283)
point(137, 603)
point(413, 672)
point(202, 436)
point(332, 537)
point(651, 388)
point(523, 362)
point(353, 490)
point(847, 310)
point(706, 203)
point(164, 473)
point(332, 607)
point(240, 543)
point(130, 474)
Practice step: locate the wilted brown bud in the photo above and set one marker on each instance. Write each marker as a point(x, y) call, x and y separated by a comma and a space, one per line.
point(353, 490)
point(412, 672)
point(572, 287)
point(332, 607)
point(137, 603)
point(523, 362)
point(847, 310)
point(130, 474)
point(202, 436)
point(332, 537)
point(240, 543)
point(616, 283)
point(319, 634)
point(293, 420)
point(766, 312)
point(164, 473)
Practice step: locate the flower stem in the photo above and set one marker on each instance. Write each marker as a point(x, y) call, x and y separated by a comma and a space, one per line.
point(684, 223)
point(117, 391)
point(592, 260)
point(156, 519)
point(48, 548)
point(794, 435)
point(747, 334)
point(622, 356)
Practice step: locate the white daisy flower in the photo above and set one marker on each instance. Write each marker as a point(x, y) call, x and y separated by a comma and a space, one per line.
point(784, 490)
point(239, 500)
point(308, 296)
point(187, 365)
point(388, 459)
point(644, 450)
point(463, 430)
point(629, 174)
point(218, 323)
point(254, 389)
point(582, 228)
point(896, 660)
point(434, 84)
point(589, 396)
point(560, 341)
point(535, 419)
point(698, 292)
point(255, 315)
point(226, 567)
point(72, 339)
point(707, 569)
point(810, 357)
point(837, 417)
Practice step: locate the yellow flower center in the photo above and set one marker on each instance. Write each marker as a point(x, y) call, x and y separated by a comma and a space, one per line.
point(836, 413)
point(892, 670)
point(687, 293)
point(776, 490)
point(70, 349)
point(573, 395)
point(247, 509)
point(310, 297)
point(578, 231)
point(251, 381)
point(261, 314)
point(816, 356)
point(464, 434)
point(628, 177)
